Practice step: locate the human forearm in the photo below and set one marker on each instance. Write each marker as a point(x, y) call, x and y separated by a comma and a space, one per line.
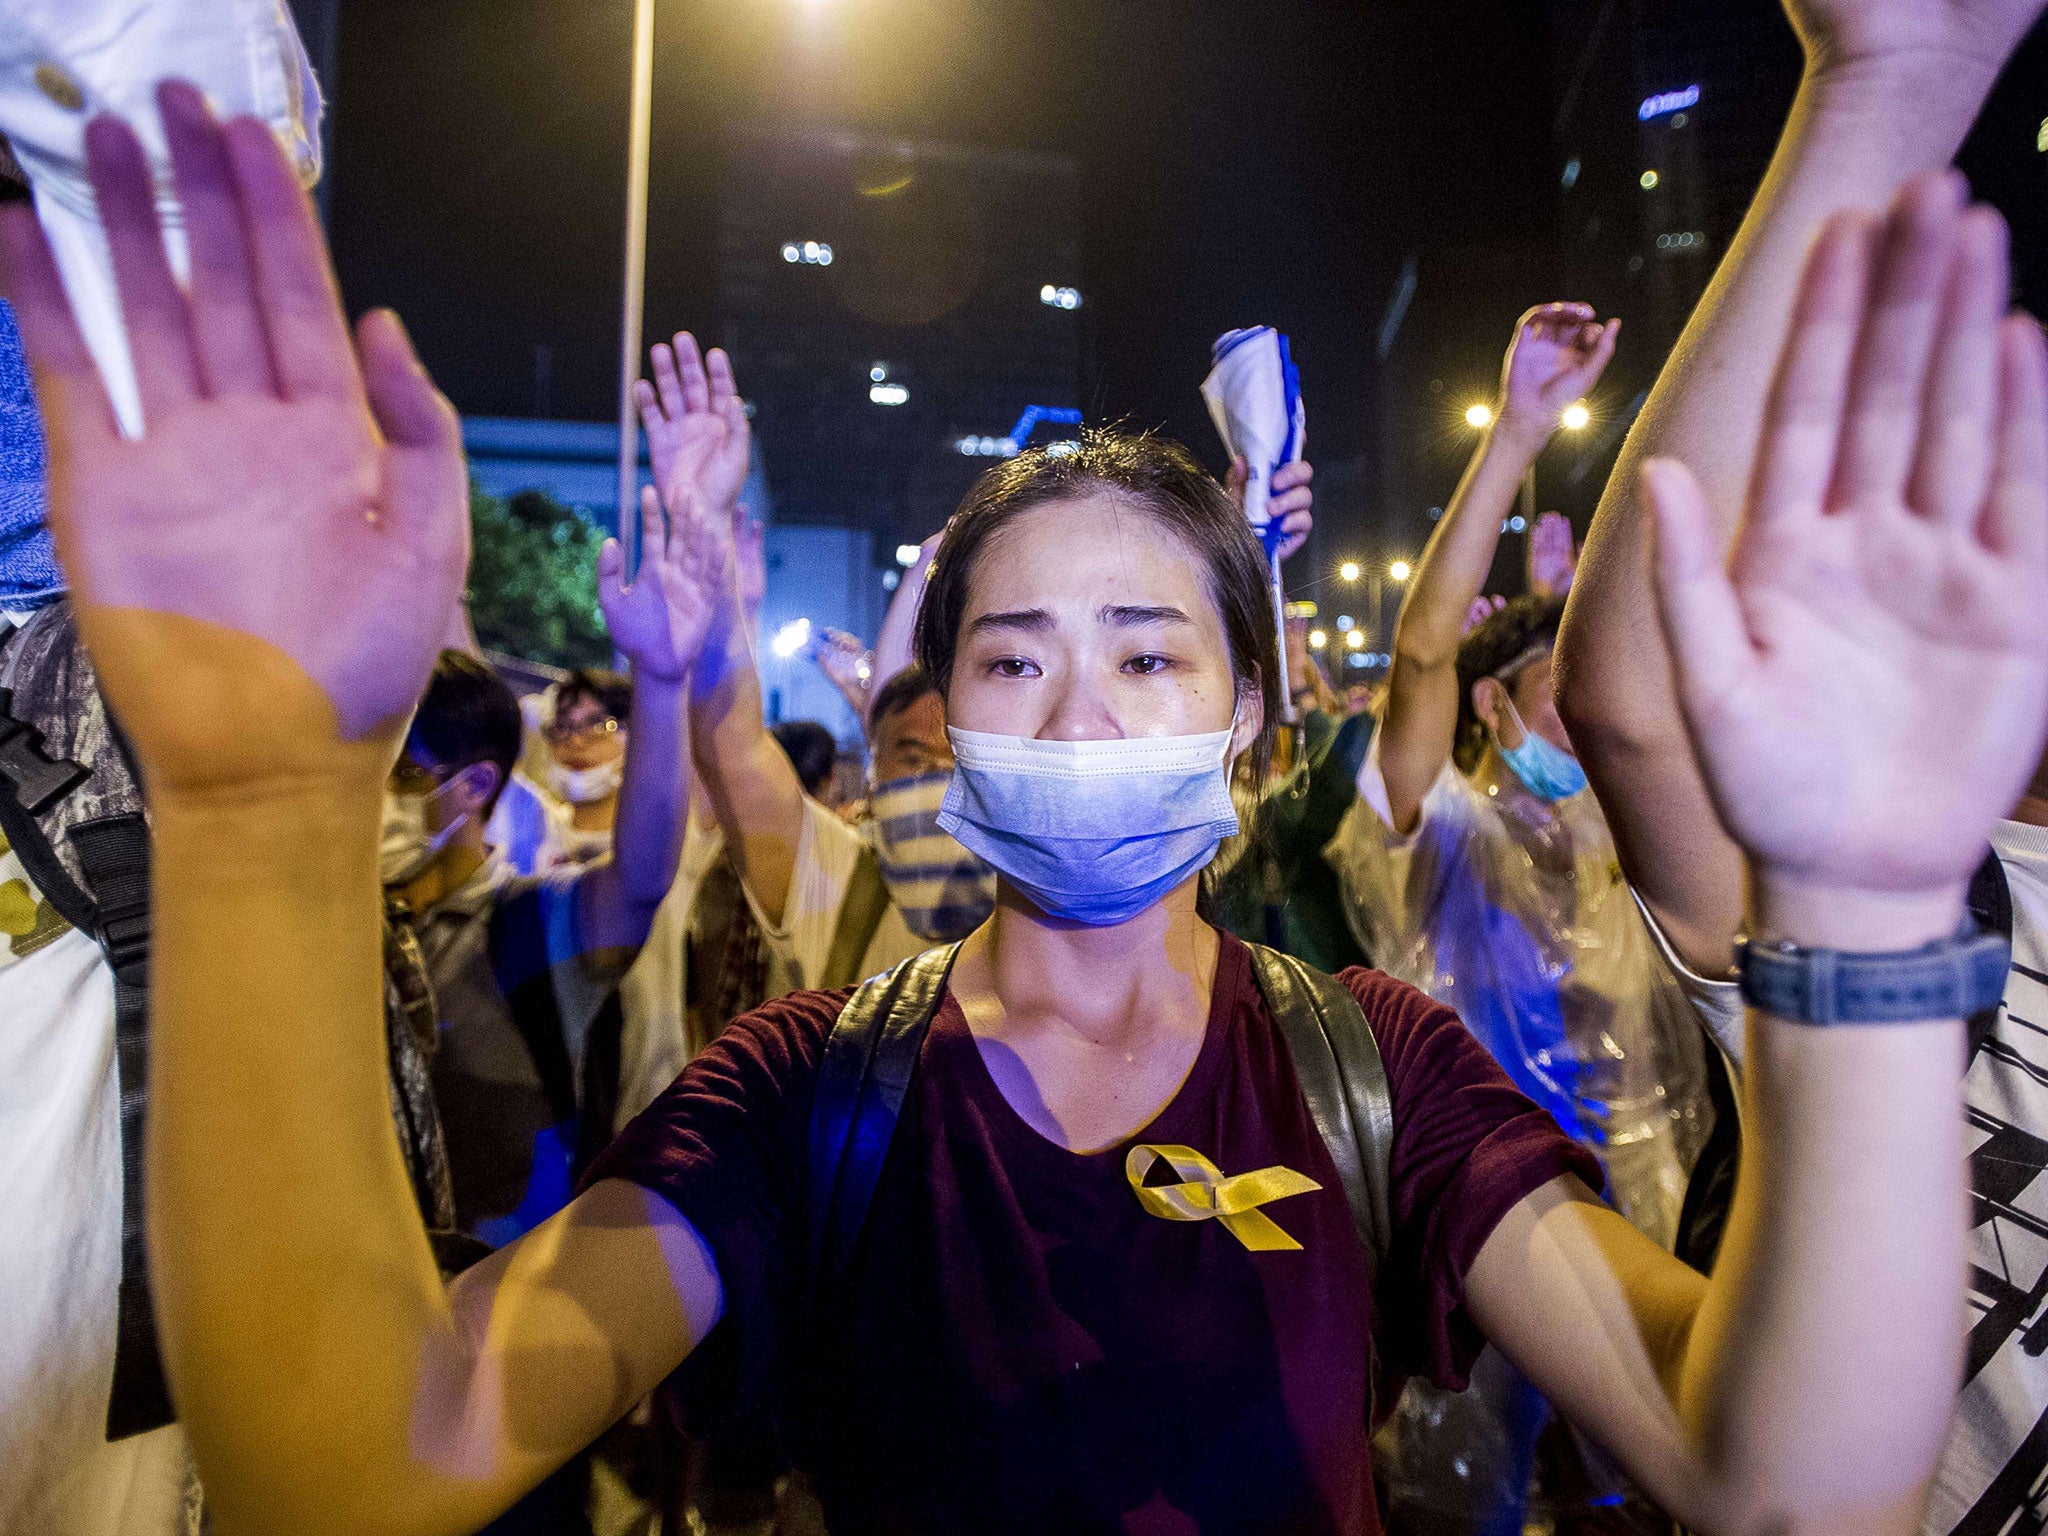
point(747, 777)
point(296, 1292)
point(899, 624)
point(1452, 569)
point(647, 837)
point(1822, 1366)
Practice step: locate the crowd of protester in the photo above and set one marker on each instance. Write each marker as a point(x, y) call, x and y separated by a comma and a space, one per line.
point(1588, 1081)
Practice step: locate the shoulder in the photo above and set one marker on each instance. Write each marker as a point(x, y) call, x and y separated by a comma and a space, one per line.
point(1424, 1043)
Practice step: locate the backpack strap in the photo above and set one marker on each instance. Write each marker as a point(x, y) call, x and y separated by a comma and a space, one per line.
point(113, 852)
point(863, 1078)
point(860, 915)
point(1344, 1079)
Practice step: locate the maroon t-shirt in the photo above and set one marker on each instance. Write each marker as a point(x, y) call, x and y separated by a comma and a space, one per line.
point(1020, 1346)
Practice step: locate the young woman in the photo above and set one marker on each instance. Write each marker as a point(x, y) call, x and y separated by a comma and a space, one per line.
point(1022, 1343)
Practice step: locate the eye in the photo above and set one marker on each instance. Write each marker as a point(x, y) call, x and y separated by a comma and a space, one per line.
point(1013, 666)
point(1147, 663)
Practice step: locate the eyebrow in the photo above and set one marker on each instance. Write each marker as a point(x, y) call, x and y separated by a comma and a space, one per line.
point(1034, 621)
point(1130, 615)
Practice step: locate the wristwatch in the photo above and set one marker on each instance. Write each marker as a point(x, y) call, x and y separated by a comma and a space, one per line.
point(1948, 979)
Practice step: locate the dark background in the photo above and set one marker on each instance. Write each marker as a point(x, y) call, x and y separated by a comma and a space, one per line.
point(1281, 161)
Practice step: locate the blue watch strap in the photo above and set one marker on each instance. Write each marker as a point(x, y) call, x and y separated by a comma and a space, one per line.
point(1949, 979)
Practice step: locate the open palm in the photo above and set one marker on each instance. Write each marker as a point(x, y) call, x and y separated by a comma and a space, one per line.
point(696, 423)
point(660, 619)
point(1867, 683)
point(290, 488)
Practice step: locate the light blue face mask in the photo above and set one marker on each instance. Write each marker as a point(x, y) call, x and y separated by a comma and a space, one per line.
point(1092, 832)
point(1550, 772)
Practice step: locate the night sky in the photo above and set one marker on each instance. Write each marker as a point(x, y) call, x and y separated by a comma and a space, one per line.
point(1239, 163)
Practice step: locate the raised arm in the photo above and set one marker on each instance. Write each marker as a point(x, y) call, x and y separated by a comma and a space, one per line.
point(693, 412)
point(1865, 683)
point(1890, 88)
point(1557, 354)
point(263, 580)
point(659, 621)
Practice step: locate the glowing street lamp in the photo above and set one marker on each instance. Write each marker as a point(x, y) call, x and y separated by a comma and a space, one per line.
point(1349, 570)
point(1317, 639)
point(1399, 570)
point(1575, 417)
point(1355, 638)
point(1479, 415)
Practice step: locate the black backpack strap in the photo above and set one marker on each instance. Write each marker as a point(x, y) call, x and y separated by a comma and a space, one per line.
point(1344, 1079)
point(863, 1078)
point(860, 913)
point(113, 852)
point(31, 780)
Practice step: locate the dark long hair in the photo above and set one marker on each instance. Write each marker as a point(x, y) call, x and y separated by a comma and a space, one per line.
point(1153, 474)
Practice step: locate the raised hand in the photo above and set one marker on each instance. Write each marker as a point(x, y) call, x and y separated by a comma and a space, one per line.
point(696, 423)
point(1866, 682)
point(661, 618)
point(1553, 559)
point(274, 561)
point(1289, 500)
point(1557, 356)
point(1848, 32)
point(847, 662)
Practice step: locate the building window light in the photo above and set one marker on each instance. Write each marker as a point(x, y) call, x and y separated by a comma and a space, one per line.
point(888, 394)
point(1055, 297)
point(811, 253)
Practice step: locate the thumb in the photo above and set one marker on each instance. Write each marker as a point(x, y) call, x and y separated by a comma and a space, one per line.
point(1703, 625)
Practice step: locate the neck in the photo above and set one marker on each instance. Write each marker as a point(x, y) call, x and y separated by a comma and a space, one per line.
point(1497, 781)
point(597, 816)
point(449, 871)
point(1021, 969)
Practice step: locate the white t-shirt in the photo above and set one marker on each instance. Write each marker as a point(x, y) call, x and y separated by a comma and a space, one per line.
point(654, 1047)
point(1993, 1475)
point(799, 946)
point(60, 1170)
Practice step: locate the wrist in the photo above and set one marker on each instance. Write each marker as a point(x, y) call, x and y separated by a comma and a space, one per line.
point(1946, 85)
point(1813, 914)
point(1519, 436)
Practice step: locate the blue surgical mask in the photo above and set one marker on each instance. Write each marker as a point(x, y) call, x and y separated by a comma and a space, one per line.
point(943, 891)
point(1092, 832)
point(29, 576)
point(1550, 772)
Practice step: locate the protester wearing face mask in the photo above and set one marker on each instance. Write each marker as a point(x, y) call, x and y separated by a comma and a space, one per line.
point(1106, 1264)
point(586, 736)
point(1474, 864)
point(1476, 867)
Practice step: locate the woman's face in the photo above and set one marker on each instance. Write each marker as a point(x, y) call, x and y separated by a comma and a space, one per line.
point(1087, 620)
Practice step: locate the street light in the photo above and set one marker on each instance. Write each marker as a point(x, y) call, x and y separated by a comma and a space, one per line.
point(1479, 415)
point(1349, 570)
point(1399, 570)
point(1575, 417)
point(1355, 638)
point(1317, 639)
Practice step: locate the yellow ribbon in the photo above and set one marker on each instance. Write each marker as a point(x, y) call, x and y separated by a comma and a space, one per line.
point(1204, 1194)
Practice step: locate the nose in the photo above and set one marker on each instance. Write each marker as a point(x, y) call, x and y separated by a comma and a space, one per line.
point(1081, 710)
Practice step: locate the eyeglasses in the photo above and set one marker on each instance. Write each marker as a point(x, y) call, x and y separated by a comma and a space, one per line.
point(410, 778)
point(562, 731)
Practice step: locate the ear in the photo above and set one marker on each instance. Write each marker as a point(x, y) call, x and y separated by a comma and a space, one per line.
point(478, 782)
point(1251, 717)
point(1489, 702)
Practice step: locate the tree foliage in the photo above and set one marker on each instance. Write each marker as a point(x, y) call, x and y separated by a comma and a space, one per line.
point(533, 580)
